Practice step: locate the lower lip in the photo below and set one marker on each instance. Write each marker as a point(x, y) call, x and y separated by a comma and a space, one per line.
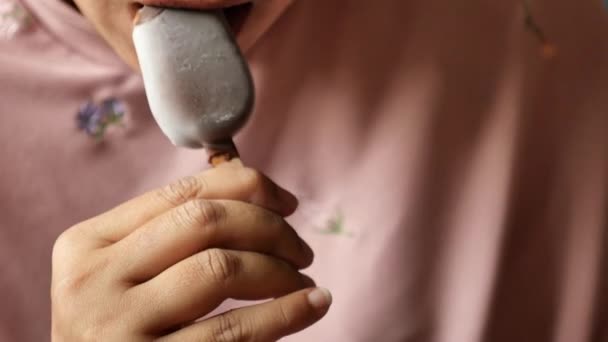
point(236, 15)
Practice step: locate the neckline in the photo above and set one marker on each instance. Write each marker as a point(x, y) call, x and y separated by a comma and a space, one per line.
point(73, 30)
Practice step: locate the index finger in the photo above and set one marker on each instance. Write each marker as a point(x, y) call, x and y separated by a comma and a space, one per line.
point(229, 181)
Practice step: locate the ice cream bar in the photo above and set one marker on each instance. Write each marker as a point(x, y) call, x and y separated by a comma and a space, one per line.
point(197, 82)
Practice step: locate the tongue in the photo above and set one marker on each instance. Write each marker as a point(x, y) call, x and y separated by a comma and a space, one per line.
point(197, 82)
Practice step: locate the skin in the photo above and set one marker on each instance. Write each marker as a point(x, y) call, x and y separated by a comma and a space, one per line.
point(152, 267)
point(114, 19)
point(148, 269)
point(71, 3)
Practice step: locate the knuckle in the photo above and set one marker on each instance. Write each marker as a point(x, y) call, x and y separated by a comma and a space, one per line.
point(210, 213)
point(65, 245)
point(181, 190)
point(230, 329)
point(201, 213)
point(65, 241)
point(252, 179)
point(218, 266)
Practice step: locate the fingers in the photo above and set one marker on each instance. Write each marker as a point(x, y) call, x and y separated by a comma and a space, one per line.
point(230, 181)
point(202, 224)
point(194, 287)
point(260, 323)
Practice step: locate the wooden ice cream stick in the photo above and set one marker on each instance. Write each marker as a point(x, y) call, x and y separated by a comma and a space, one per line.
point(198, 83)
point(221, 153)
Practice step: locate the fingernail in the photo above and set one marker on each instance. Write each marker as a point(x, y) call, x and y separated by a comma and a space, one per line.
point(320, 298)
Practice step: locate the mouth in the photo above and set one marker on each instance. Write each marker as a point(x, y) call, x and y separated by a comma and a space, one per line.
point(237, 15)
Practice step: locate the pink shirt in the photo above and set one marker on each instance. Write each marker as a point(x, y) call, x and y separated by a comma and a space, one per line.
point(452, 181)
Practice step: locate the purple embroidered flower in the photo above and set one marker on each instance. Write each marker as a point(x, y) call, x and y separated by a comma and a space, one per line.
point(14, 19)
point(94, 119)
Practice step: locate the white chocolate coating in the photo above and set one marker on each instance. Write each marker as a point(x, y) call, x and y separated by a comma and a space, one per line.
point(197, 82)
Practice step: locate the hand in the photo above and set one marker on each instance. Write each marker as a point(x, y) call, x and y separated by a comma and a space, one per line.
point(150, 268)
point(114, 19)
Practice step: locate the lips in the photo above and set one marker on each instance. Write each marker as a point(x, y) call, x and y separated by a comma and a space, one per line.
point(193, 4)
point(237, 16)
point(236, 11)
point(248, 19)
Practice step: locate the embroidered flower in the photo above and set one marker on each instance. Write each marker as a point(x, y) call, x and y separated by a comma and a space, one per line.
point(335, 225)
point(94, 119)
point(14, 19)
